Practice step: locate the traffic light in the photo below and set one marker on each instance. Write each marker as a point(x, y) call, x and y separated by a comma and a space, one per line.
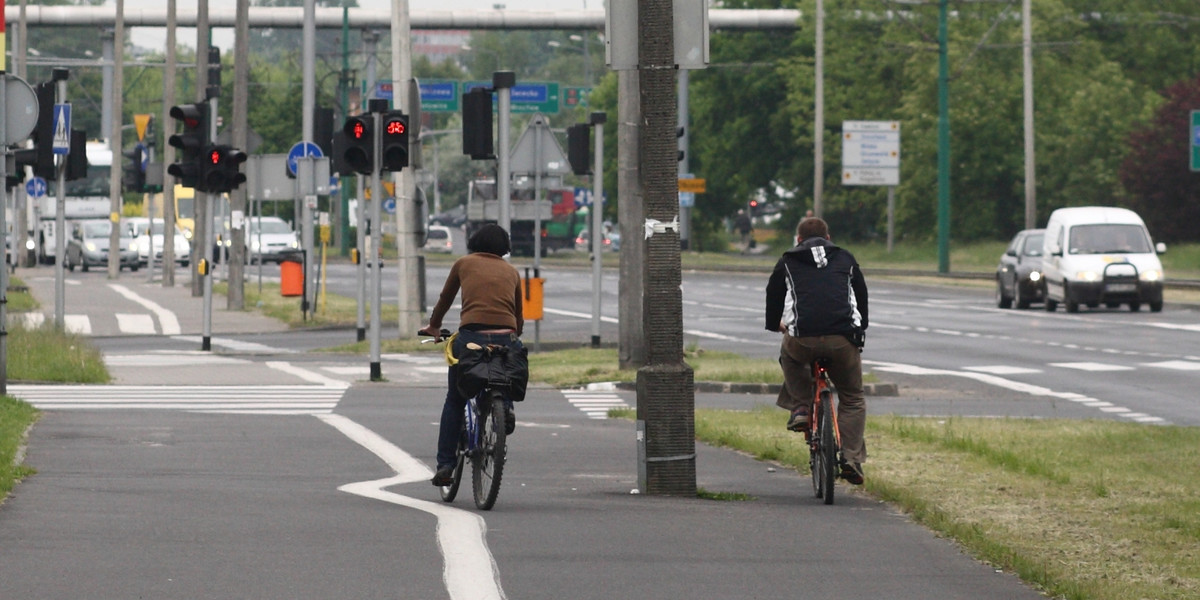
point(77, 164)
point(679, 133)
point(192, 140)
point(394, 149)
point(133, 176)
point(477, 124)
point(359, 152)
point(42, 157)
point(753, 207)
point(220, 172)
point(578, 152)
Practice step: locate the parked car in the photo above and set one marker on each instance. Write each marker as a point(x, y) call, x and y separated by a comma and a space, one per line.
point(88, 246)
point(1019, 275)
point(146, 236)
point(269, 239)
point(438, 239)
point(612, 240)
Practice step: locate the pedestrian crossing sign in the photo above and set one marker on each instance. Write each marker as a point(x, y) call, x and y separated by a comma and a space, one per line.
point(62, 129)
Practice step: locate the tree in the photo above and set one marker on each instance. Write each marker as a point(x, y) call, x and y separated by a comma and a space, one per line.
point(1156, 174)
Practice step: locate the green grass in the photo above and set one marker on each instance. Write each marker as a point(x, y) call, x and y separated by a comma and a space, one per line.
point(15, 419)
point(332, 310)
point(1095, 510)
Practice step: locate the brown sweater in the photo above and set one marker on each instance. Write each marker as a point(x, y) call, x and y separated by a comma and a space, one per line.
point(491, 293)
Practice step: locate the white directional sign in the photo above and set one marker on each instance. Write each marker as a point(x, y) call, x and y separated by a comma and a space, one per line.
point(870, 153)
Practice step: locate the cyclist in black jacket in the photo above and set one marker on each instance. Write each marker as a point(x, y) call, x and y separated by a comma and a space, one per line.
point(817, 298)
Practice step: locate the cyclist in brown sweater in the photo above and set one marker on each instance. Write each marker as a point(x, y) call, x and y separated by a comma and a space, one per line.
point(491, 314)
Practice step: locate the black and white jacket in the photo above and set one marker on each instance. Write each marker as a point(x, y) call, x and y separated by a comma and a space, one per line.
point(816, 289)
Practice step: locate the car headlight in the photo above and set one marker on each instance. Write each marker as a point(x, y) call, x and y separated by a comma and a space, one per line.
point(134, 247)
point(295, 244)
point(1087, 276)
point(90, 247)
point(254, 245)
point(30, 244)
point(1035, 276)
point(1151, 275)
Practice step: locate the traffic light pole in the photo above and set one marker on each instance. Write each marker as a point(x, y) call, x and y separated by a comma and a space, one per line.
point(60, 218)
point(597, 120)
point(375, 258)
point(206, 199)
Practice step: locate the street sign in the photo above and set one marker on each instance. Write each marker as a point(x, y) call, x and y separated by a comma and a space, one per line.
point(1195, 140)
point(62, 129)
point(693, 185)
point(21, 109)
point(299, 150)
point(36, 187)
point(141, 123)
point(537, 151)
point(529, 97)
point(687, 199)
point(389, 206)
point(871, 153)
point(439, 96)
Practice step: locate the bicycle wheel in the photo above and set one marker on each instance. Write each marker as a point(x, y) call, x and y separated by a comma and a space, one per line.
point(488, 461)
point(450, 491)
point(828, 454)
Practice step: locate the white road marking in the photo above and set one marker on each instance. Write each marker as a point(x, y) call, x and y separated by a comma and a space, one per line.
point(1002, 370)
point(1017, 386)
point(256, 399)
point(138, 324)
point(1181, 365)
point(77, 324)
point(1092, 366)
point(237, 345)
point(594, 403)
point(170, 324)
point(468, 568)
point(172, 359)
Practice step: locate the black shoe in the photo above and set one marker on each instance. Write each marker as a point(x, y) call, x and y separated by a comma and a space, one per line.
point(852, 473)
point(443, 477)
point(510, 422)
point(798, 420)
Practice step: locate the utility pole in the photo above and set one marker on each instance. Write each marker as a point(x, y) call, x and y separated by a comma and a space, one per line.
point(1030, 171)
point(114, 144)
point(203, 220)
point(407, 228)
point(665, 386)
point(168, 191)
point(943, 186)
point(236, 298)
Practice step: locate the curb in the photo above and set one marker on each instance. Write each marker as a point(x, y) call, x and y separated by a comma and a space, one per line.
point(725, 387)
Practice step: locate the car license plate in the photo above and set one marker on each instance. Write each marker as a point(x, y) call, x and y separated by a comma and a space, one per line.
point(1120, 287)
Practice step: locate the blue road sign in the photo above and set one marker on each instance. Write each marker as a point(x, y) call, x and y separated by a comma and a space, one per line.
point(36, 187)
point(389, 206)
point(145, 155)
point(299, 150)
point(62, 129)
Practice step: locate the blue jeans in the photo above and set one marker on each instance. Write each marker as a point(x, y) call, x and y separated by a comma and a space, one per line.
point(455, 405)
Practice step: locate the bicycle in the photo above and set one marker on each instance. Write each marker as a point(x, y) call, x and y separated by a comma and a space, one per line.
point(824, 439)
point(482, 440)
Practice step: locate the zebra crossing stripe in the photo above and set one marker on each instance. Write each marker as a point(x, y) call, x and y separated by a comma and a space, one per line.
point(234, 399)
point(595, 404)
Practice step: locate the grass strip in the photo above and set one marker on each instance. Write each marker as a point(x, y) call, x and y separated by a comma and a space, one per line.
point(15, 419)
point(1097, 510)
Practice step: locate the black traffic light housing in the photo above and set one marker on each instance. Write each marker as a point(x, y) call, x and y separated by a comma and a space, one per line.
point(578, 151)
point(359, 152)
point(477, 124)
point(221, 169)
point(394, 147)
point(192, 140)
point(77, 163)
point(133, 176)
point(43, 134)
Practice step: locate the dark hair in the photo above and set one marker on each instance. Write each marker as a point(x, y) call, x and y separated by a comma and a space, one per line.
point(810, 227)
point(490, 238)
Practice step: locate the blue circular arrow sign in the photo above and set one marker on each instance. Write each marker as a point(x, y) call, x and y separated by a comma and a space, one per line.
point(36, 187)
point(299, 150)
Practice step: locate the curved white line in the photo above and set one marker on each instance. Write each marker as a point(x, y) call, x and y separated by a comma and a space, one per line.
point(469, 570)
point(170, 325)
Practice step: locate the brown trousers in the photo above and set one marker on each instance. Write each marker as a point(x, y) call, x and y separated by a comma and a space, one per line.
point(845, 370)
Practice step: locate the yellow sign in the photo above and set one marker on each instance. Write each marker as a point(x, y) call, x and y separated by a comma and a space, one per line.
point(389, 190)
point(141, 122)
point(695, 186)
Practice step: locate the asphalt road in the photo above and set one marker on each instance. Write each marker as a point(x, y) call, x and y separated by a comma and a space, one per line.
point(261, 470)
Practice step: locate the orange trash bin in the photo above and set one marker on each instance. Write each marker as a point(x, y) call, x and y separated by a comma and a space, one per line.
point(291, 278)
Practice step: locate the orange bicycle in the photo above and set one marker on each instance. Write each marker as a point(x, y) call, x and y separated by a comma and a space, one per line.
point(824, 439)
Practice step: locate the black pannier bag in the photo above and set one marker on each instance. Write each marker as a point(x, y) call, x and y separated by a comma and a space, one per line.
point(503, 368)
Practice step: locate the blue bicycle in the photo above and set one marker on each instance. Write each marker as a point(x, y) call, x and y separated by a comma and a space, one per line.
point(482, 441)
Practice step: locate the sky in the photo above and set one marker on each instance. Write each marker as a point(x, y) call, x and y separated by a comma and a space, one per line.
point(153, 38)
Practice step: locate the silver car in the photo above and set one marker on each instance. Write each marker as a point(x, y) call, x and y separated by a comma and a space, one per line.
point(88, 246)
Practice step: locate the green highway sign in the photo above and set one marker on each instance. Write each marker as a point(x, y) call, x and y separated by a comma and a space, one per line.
point(527, 97)
point(1194, 135)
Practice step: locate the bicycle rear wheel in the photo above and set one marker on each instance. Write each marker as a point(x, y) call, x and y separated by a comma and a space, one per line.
point(824, 460)
point(488, 460)
point(448, 492)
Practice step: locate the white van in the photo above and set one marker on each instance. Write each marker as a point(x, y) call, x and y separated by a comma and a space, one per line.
point(1097, 255)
